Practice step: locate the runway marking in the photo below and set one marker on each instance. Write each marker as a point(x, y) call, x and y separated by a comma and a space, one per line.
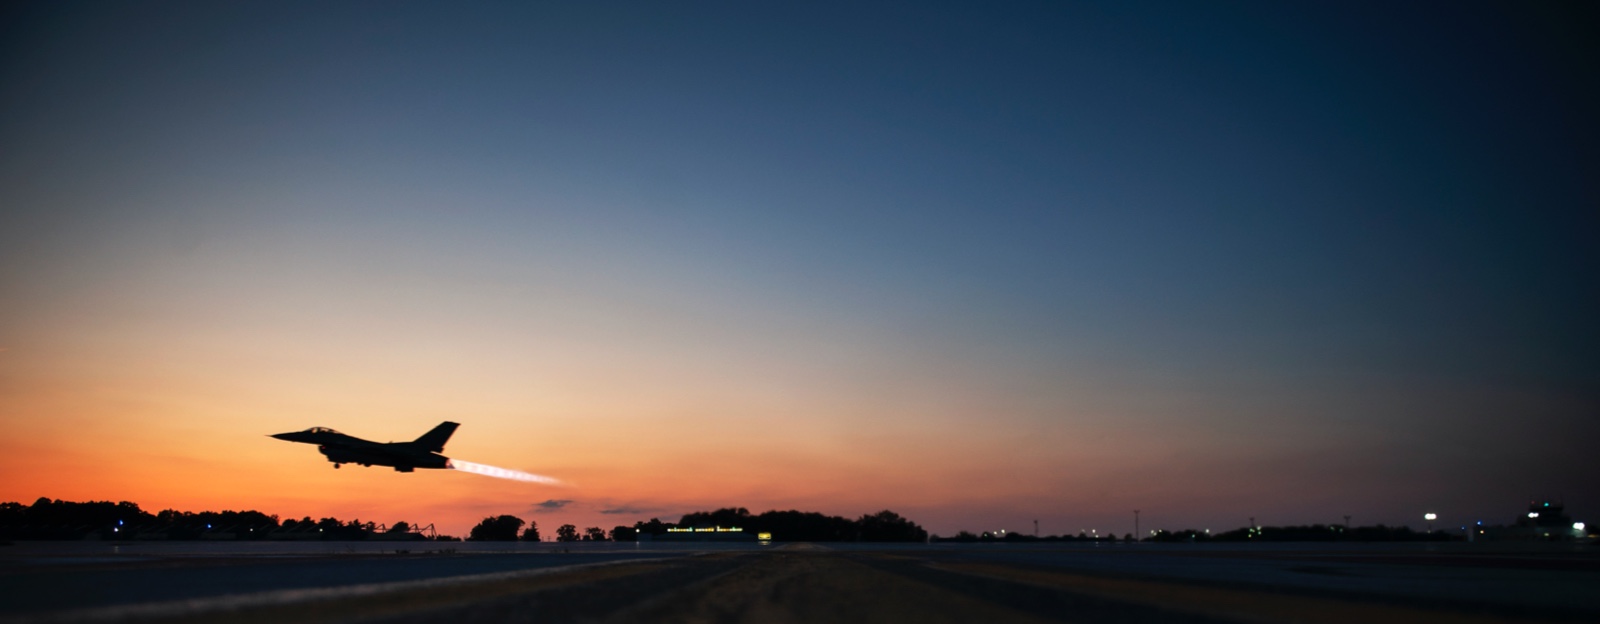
point(347, 602)
point(1234, 604)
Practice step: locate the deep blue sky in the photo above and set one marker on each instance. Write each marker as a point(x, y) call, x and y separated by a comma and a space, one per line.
point(1349, 242)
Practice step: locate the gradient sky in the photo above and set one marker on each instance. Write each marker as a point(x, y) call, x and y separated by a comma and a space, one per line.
point(978, 264)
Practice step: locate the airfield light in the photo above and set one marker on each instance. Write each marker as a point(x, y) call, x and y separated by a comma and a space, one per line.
point(1578, 526)
point(1533, 514)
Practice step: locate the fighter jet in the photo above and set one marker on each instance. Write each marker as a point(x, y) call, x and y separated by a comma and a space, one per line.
point(341, 449)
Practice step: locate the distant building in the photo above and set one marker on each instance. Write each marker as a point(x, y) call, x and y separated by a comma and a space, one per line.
point(700, 534)
point(1545, 520)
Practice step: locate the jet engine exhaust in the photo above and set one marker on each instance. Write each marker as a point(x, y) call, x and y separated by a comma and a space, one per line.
point(501, 473)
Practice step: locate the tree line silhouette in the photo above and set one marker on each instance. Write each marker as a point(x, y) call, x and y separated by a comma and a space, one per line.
point(789, 526)
point(1309, 533)
point(48, 519)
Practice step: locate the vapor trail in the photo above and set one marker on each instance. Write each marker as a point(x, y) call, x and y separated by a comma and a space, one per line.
point(502, 473)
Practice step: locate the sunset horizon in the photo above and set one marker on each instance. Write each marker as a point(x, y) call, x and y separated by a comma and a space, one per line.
point(979, 266)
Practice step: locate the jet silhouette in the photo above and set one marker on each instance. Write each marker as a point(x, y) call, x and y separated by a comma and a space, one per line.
point(341, 449)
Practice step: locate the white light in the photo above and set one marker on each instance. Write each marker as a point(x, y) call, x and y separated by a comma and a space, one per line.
point(1577, 526)
point(1533, 514)
point(1431, 516)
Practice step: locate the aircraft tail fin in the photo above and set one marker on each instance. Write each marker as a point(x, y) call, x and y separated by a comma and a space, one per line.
point(434, 440)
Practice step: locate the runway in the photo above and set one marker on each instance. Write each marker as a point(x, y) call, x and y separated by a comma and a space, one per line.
point(330, 582)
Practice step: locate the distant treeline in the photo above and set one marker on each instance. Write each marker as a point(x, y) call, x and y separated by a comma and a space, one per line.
point(788, 526)
point(1311, 533)
point(49, 519)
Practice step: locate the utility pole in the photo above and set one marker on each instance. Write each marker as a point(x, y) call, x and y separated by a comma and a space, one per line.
point(1136, 535)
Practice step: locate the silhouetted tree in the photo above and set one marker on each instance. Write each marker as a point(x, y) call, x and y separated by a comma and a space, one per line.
point(400, 527)
point(726, 517)
point(302, 524)
point(654, 527)
point(59, 519)
point(12, 514)
point(531, 534)
point(496, 529)
point(624, 534)
point(567, 533)
point(888, 526)
point(803, 526)
point(594, 534)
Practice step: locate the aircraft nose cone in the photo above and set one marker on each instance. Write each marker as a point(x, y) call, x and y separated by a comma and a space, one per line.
point(281, 436)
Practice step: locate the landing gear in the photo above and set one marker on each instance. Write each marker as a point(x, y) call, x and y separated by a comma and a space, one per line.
point(336, 465)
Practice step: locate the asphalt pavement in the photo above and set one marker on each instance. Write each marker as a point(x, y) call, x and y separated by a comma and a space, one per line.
point(805, 583)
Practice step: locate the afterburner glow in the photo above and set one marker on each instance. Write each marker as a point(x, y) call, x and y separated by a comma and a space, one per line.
point(501, 473)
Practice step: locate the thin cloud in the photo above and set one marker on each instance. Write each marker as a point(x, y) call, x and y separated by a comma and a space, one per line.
point(627, 510)
point(551, 505)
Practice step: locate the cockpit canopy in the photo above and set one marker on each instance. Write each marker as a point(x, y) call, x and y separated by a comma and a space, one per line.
point(321, 430)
